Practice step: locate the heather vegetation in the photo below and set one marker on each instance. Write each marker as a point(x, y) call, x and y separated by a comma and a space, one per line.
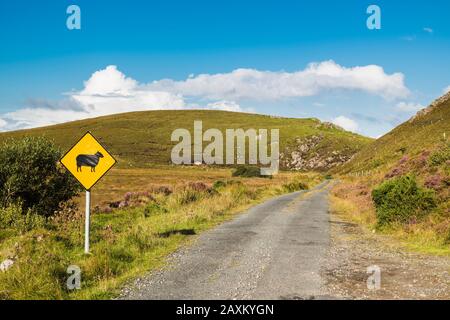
point(400, 185)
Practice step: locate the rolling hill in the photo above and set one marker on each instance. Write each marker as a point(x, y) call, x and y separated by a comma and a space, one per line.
point(424, 132)
point(142, 139)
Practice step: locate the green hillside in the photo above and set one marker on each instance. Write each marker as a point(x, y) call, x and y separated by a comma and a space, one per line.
point(424, 132)
point(400, 183)
point(142, 139)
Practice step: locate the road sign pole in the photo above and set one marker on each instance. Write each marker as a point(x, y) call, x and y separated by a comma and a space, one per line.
point(88, 161)
point(87, 223)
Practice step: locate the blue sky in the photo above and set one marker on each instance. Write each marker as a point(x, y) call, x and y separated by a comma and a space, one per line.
point(50, 74)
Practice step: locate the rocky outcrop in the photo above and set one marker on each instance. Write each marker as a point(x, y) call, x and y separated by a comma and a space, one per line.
point(328, 125)
point(304, 156)
point(431, 107)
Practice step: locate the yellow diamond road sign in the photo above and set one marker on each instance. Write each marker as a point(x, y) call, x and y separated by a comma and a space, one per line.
point(88, 161)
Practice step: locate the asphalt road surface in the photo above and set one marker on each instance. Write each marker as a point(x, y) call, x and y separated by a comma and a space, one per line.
point(273, 251)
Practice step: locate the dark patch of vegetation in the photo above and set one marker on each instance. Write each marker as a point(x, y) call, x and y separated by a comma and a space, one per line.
point(295, 186)
point(401, 150)
point(184, 232)
point(16, 218)
point(248, 172)
point(30, 176)
point(401, 200)
point(154, 208)
point(440, 156)
point(219, 184)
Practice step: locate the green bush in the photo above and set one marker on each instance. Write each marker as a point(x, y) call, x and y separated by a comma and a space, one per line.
point(154, 208)
point(247, 172)
point(30, 174)
point(13, 217)
point(441, 156)
point(219, 184)
point(328, 177)
point(295, 186)
point(401, 199)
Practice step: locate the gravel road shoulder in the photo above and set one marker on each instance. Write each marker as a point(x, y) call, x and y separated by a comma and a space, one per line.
point(404, 275)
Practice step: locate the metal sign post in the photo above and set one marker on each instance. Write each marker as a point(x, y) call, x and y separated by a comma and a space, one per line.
point(87, 222)
point(88, 161)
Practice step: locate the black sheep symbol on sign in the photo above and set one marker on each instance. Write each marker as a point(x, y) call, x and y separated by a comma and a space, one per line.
point(88, 160)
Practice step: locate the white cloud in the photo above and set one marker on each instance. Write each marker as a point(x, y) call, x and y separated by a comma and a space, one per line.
point(428, 29)
point(109, 91)
point(409, 106)
point(446, 90)
point(346, 123)
point(38, 117)
point(3, 123)
point(224, 105)
point(267, 85)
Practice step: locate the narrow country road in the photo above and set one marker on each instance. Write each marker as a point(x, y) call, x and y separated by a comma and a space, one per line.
point(273, 251)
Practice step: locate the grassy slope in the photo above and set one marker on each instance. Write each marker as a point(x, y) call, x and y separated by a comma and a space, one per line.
point(406, 149)
point(141, 139)
point(411, 138)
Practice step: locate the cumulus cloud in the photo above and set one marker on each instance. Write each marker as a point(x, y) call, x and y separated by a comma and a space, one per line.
point(63, 104)
point(3, 123)
point(224, 105)
point(267, 85)
point(446, 90)
point(409, 106)
point(107, 91)
point(38, 117)
point(346, 123)
point(110, 91)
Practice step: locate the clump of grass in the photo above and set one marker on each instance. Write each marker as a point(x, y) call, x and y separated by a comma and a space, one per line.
point(247, 172)
point(14, 217)
point(154, 208)
point(402, 199)
point(220, 184)
point(442, 155)
point(295, 186)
